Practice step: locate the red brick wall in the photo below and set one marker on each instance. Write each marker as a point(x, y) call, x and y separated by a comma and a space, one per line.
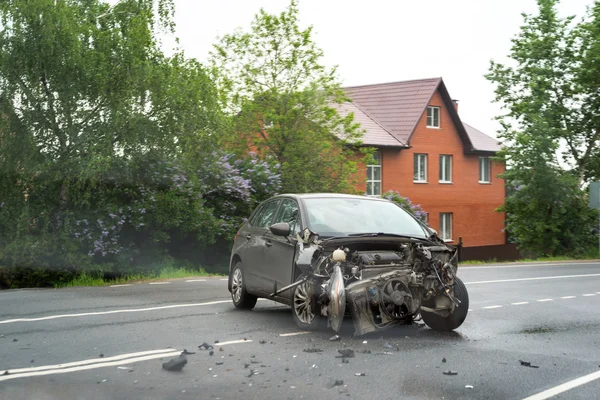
point(471, 203)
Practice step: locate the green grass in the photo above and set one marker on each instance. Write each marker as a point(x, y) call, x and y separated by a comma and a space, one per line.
point(170, 272)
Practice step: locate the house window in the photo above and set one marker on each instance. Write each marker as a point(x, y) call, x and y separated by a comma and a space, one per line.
point(485, 169)
point(446, 226)
point(420, 168)
point(445, 168)
point(374, 176)
point(433, 117)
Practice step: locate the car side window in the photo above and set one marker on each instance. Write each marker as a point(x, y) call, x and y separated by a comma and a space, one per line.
point(265, 216)
point(254, 216)
point(288, 212)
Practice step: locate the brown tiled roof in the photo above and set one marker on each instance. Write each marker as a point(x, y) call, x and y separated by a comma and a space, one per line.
point(374, 134)
point(481, 141)
point(397, 106)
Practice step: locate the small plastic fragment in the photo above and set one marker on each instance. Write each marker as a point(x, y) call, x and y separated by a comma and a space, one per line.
point(175, 364)
point(205, 346)
point(360, 374)
point(313, 350)
point(469, 386)
point(450, 373)
point(334, 338)
point(346, 353)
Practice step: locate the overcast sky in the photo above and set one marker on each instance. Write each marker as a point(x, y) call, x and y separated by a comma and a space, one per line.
point(388, 40)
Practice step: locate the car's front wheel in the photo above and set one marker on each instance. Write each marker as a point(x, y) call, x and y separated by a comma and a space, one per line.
point(240, 296)
point(304, 307)
point(454, 320)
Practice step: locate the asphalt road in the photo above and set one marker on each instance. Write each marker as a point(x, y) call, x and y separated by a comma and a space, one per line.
point(110, 343)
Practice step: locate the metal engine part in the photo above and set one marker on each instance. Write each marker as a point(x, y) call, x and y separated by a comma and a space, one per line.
point(337, 299)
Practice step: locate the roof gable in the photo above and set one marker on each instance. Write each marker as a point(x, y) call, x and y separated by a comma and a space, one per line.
point(397, 108)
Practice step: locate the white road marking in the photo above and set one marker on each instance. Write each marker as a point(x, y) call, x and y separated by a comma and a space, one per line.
point(293, 334)
point(597, 292)
point(543, 300)
point(520, 303)
point(490, 307)
point(469, 310)
point(90, 366)
point(196, 280)
point(8, 321)
point(125, 285)
point(159, 283)
point(232, 342)
point(466, 267)
point(94, 363)
point(224, 279)
point(588, 294)
point(530, 279)
point(86, 362)
point(565, 386)
point(568, 297)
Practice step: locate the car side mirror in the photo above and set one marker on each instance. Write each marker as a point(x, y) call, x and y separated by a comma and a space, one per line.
point(280, 229)
point(433, 231)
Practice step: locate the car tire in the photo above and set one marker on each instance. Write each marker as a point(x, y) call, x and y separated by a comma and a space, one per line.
point(454, 320)
point(240, 296)
point(305, 310)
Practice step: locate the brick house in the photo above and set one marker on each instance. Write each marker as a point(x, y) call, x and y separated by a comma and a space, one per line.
point(426, 153)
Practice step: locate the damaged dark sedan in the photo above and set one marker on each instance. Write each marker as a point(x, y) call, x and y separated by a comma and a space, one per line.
point(331, 255)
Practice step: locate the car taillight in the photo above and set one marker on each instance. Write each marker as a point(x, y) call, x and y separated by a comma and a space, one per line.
point(237, 234)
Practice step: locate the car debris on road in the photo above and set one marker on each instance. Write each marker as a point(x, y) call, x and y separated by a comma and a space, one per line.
point(175, 364)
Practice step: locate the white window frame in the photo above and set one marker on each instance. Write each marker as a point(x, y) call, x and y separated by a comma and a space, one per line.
point(446, 226)
point(418, 172)
point(443, 172)
point(371, 174)
point(431, 118)
point(482, 162)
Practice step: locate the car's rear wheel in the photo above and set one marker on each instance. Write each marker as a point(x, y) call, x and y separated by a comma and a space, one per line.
point(454, 320)
point(240, 296)
point(304, 308)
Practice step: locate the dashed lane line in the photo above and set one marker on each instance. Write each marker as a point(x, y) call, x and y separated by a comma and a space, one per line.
point(491, 307)
point(159, 283)
point(196, 280)
point(544, 300)
point(588, 294)
point(568, 297)
point(520, 303)
point(125, 285)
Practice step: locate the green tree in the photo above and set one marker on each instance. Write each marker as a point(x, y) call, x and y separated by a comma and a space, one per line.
point(90, 108)
point(282, 100)
point(550, 96)
point(550, 87)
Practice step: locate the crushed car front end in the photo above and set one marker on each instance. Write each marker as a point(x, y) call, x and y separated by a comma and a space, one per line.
point(383, 280)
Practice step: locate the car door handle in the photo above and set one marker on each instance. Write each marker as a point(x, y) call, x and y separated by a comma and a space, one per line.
point(268, 243)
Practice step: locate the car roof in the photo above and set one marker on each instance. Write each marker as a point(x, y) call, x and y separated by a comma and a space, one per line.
point(328, 195)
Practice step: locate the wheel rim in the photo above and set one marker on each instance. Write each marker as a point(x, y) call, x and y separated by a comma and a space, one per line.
point(303, 304)
point(236, 285)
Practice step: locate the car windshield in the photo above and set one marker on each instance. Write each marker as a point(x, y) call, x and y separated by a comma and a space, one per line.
point(347, 216)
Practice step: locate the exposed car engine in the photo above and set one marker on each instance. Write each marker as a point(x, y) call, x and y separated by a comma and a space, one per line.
point(383, 280)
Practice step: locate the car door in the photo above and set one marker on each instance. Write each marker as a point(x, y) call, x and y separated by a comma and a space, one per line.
point(278, 267)
point(255, 253)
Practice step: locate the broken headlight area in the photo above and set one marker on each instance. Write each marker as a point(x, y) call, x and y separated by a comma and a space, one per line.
point(382, 281)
